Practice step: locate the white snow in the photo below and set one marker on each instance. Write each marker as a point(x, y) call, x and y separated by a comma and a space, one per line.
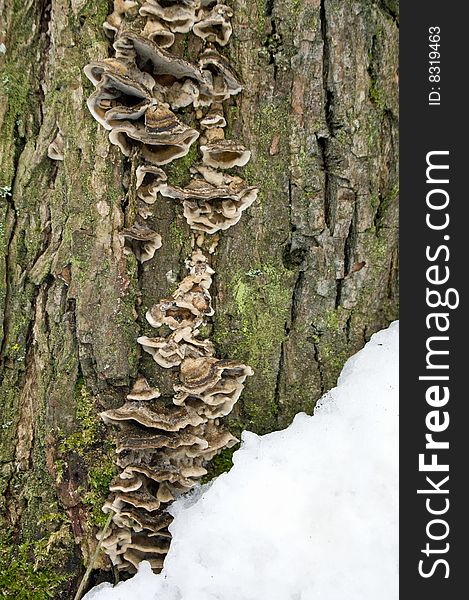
point(308, 513)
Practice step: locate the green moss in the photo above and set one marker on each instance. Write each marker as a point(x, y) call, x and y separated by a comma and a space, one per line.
point(376, 93)
point(87, 419)
point(377, 96)
point(271, 120)
point(231, 115)
point(334, 359)
point(99, 479)
point(177, 233)
point(25, 573)
point(178, 171)
point(263, 303)
point(295, 8)
point(332, 320)
point(221, 463)
point(252, 330)
point(96, 11)
point(96, 451)
point(260, 17)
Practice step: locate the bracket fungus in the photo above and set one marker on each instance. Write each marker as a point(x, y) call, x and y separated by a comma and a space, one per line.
point(148, 182)
point(211, 208)
point(152, 59)
point(178, 14)
point(216, 25)
point(190, 304)
point(142, 94)
point(215, 385)
point(170, 351)
point(122, 8)
point(142, 391)
point(215, 117)
point(159, 33)
point(162, 136)
point(220, 80)
point(225, 154)
point(143, 241)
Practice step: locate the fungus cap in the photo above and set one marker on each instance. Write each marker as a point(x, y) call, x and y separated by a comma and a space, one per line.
point(215, 26)
point(225, 154)
point(159, 33)
point(143, 241)
point(142, 391)
point(178, 14)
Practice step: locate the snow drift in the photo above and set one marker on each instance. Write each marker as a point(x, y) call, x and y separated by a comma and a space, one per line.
point(308, 513)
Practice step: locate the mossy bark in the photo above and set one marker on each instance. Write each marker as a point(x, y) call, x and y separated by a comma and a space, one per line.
point(303, 280)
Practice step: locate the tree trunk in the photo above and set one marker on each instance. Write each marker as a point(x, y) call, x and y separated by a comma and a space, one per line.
point(302, 281)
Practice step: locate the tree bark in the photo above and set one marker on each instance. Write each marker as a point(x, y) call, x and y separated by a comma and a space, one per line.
point(302, 281)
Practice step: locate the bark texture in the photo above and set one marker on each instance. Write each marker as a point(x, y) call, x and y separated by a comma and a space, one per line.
point(303, 280)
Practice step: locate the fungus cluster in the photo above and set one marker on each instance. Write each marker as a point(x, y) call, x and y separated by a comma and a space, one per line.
point(141, 96)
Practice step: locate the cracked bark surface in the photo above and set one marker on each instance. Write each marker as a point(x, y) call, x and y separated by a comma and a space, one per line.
point(303, 280)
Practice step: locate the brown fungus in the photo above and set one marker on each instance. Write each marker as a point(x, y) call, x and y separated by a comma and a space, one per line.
point(142, 240)
point(142, 391)
point(119, 484)
point(146, 440)
point(190, 304)
point(211, 208)
point(122, 8)
point(156, 61)
point(178, 14)
point(117, 93)
point(149, 179)
point(182, 94)
point(163, 450)
point(215, 117)
point(225, 154)
point(211, 386)
point(170, 351)
point(114, 543)
point(153, 415)
point(159, 33)
point(220, 82)
point(162, 137)
point(215, 26)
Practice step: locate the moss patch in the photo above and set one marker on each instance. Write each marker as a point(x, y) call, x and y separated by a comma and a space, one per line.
point(96, 451)
point(25, 573)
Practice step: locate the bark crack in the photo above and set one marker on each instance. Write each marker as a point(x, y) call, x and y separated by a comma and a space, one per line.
point(44, 31)
point(324, 139)
point(348, 255)
point(317, 360)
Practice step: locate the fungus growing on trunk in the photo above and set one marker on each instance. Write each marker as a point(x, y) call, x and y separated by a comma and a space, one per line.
point(211, 386)
point(215, 117)
point(215, 26)
point(149, 179)
point(152, 59)
point(114, 20)
point(163, 444)
point(178, 14)
point(152, 414)
point(159, 33)
point(142, 391)
point(161, 138)
point(142, 240)
point(170, 351)
point(225, 154)
point(220, 81)
point(211, 208)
